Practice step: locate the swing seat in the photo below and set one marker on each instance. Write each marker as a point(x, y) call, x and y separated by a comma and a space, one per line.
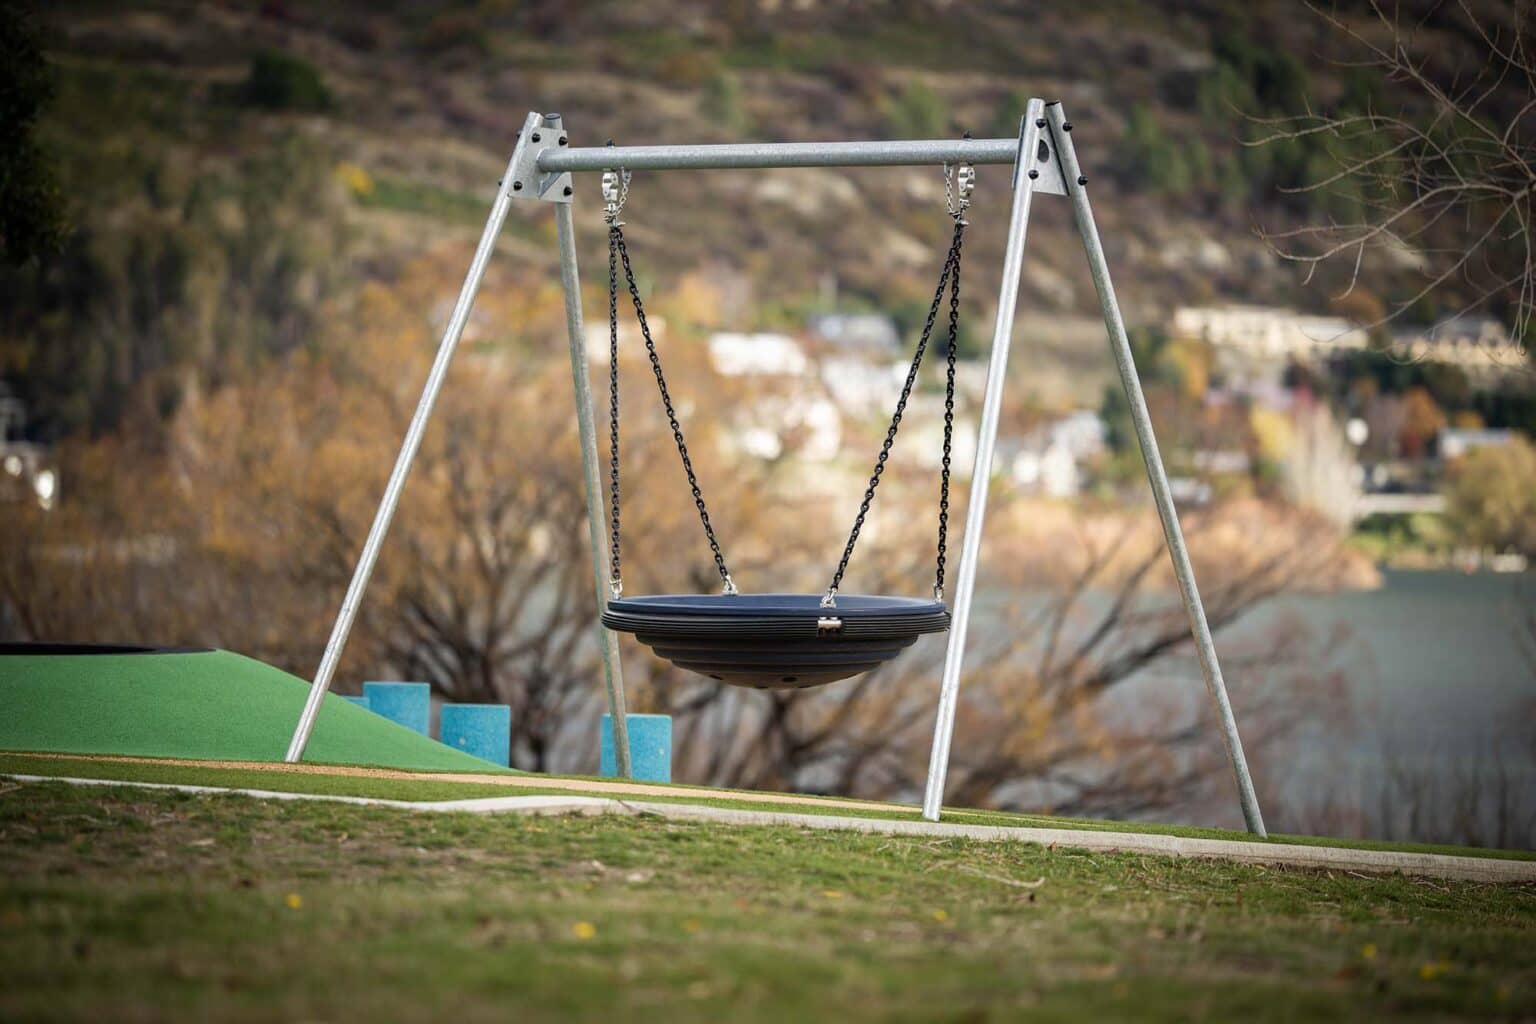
point(776, 641)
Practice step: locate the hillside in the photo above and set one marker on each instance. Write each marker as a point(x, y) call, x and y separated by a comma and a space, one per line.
point(234, 172)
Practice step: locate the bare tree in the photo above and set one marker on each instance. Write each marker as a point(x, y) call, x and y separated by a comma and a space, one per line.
point(1080, 695)
point(1448, 175)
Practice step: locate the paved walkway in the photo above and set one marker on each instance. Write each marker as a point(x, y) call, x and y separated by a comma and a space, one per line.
point(1431, 865)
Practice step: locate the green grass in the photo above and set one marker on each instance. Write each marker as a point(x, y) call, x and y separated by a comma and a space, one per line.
point(209, 706)
point(446, 787)
point(132, 904)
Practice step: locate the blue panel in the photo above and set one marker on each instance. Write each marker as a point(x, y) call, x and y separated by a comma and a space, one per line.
point(484, 730)
point(650, 747)
point(361, 702)
point(408, 704)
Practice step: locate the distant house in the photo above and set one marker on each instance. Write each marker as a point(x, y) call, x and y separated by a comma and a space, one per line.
point(1188, 490)
point(1473, 343)
point(27, 472)
point(1453, 442)
point(1082, 433)
point(756, 355)
point(862, 388)
point(1050, 460)
point(921, 443)
point(1045, 468)
point(1266, 333)
point(872, 333)
point(1223, 461)
point(630, 340)
point(971, 378)
point(775, 425)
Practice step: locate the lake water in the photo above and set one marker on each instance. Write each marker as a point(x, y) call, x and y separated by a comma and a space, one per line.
point(1440, 676)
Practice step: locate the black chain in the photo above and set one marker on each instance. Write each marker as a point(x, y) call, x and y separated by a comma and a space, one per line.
point(948, 279)
point(615, 576)
point(949, 415)
point(616, 245)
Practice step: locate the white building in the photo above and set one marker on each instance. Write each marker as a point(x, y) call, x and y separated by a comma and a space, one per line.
point(27, 471)
point(1081, 433)
point(1050, 460)
point(756, 355)
point(869, 332)
point(1046, 469)
point(921, 443)
point(630, 339)
point(1455, 442)
point(773, 425)
point(1266, 333)
point(1473, 343)
point(862, 388)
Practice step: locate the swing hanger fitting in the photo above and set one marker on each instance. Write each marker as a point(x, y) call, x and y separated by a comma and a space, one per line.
point(959, 183)
point(615, 194)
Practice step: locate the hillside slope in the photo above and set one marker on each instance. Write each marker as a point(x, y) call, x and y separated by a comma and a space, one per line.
point(235, 171)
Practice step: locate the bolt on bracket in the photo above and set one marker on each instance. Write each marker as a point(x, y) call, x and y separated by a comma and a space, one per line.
point(526, 181)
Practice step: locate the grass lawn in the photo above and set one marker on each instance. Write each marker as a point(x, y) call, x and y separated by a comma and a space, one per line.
point(133, 904)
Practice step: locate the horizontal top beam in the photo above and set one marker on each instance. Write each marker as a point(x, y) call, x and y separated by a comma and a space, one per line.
point(781, 154)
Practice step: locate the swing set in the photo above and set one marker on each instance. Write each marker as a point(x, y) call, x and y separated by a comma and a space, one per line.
point(772, 641)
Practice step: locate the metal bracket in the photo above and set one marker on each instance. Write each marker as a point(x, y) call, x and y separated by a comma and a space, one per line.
point(1045, 167)
point(524, 179)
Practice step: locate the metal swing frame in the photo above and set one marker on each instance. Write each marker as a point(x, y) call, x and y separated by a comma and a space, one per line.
point(1043, 161)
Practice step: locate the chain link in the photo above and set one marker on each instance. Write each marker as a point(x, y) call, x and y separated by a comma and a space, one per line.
point(616, 247)
point(958, 185)
point(615, 573)
point(946, 282)
point(949, 411)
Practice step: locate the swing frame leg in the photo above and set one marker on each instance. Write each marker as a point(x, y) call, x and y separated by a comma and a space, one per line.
point(520, 172)
point(613, 672)
point(1058, 137)
point(1157, 477)
point(981, 473)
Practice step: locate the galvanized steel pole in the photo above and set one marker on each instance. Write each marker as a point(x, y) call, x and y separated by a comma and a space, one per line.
point(1024, 149)
point(613, 673)
point(1183, 571)
point(781, 154)
point(408, 448)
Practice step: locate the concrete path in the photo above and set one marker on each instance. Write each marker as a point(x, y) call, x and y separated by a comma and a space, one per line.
point(1429, 865)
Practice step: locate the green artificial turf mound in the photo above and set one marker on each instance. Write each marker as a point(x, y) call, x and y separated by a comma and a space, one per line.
point(206, 705)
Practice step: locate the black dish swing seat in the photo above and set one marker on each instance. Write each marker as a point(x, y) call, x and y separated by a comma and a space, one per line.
point(777, 641)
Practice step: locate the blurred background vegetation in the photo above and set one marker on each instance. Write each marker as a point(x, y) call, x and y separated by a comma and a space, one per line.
point(187, 186)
